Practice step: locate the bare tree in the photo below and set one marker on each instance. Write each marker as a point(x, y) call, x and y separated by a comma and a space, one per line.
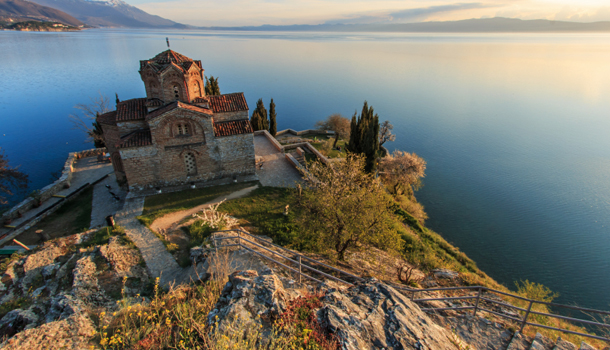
point(10, 178)
point(385, 133)
point(86, 117)
point(401, 171)
point(337, 123)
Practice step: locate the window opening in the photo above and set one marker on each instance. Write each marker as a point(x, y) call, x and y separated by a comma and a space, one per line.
point(176, 92)
point(189, 161)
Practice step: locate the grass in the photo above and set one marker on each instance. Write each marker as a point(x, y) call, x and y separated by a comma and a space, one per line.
point(72, 217)
point(333, 153)
point(161, 204)
point(264, 209)
point(178, 319)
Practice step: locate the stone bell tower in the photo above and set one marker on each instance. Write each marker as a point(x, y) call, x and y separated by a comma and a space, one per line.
point(170, 76)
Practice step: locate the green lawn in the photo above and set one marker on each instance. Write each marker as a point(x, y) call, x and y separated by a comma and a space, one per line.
point(264, 209)
point(72, 217)
point(333, 153)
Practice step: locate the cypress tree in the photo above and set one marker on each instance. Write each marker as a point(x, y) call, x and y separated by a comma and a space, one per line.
point(256, 121)
point(364, 136)
point(211, 86)
point(260, 107)
point(272, 121)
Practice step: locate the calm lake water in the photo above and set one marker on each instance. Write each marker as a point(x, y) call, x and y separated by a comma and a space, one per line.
point(515, 128)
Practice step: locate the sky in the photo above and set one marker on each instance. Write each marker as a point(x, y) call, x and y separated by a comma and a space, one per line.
point(286, 12)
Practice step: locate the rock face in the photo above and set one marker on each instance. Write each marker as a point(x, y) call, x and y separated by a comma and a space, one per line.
point(373, 315)
point(51, 289)
point(251, 298)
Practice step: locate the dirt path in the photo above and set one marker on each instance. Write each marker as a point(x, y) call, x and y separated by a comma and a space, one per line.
point(172, 221)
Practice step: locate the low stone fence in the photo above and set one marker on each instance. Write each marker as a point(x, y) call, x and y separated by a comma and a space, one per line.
point(48, 191)
point(304, 132)
point(271, 139)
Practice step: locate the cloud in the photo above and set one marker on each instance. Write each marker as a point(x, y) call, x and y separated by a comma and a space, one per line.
point(410, 15)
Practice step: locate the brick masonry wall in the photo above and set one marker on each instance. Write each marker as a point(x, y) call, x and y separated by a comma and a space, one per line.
point(163, 163)
point(223, 117)
point(131, 126)
point(237, 154)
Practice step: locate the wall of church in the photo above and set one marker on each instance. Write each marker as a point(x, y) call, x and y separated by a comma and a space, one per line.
point(131, 126)
point(223, 117)
point(140, 164)
point(237, 154)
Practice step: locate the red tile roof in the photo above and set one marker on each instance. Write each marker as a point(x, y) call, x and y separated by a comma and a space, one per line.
point(137, 138)
point(168, 57)
point(177, 104)
point(228, 103)
point(234, 127)
point(134, 109)
point(107, 118)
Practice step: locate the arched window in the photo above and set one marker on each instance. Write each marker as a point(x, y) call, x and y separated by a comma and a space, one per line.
point(176, 92)
point(197, 88)
point(191, 165)
point(183, 129)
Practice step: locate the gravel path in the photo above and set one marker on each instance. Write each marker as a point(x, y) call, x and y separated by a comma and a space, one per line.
point(172, 221)
point(159, 261)
point(104, 203)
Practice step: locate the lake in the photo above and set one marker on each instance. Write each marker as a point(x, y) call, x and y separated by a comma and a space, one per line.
point(515, 127)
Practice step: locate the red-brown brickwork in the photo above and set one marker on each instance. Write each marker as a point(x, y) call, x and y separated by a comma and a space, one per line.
point(177, 135)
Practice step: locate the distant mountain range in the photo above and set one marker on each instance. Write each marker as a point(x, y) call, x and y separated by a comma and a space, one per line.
point(483, 25)
point(109, 13)
point(12, 11)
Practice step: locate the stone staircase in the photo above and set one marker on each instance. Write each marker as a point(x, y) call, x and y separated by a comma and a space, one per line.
point(299, 158)
point(540, 342)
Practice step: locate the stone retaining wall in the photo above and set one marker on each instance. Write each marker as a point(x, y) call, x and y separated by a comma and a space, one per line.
point(304, 132)
point(48, 191)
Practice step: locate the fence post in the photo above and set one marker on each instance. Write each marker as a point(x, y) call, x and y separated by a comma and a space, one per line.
point(412, 294)
point(239, 240)
point(299, 269)
point(529, 308)
point(215, 243)
point(476, 305)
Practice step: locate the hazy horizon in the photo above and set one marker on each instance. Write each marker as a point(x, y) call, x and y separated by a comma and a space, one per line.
point(233, 13)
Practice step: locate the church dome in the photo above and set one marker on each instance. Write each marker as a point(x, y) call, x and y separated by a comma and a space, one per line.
point(169, 57)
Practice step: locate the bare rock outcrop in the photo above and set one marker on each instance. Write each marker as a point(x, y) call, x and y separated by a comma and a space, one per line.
point(374, 315)
point(370, 315)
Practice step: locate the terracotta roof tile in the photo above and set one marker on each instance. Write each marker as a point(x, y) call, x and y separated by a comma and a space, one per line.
point(228, 103)
point(137, 138)
point(234, 127)
point(168, 57)
point(177, 104)
point(107, 118)
point(134, 109)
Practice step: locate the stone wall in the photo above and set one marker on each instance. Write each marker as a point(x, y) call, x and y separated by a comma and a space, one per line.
point(237, 154)
point(131, 126)
point(304, 132)
point(222, 117)
point(164, 164)
point(271, 139)
point(48, 191)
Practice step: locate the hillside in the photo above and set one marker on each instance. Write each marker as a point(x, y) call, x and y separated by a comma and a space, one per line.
point(112, 13)
point(480, 25)
point(19, 11)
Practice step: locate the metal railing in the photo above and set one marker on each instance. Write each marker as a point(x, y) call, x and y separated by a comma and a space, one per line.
point(299, 260)
point(480, 300)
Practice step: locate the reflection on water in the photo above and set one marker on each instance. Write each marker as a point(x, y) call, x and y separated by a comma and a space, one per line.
point(514, 127)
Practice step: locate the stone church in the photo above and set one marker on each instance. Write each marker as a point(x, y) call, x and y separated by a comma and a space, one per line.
point(177, 135)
